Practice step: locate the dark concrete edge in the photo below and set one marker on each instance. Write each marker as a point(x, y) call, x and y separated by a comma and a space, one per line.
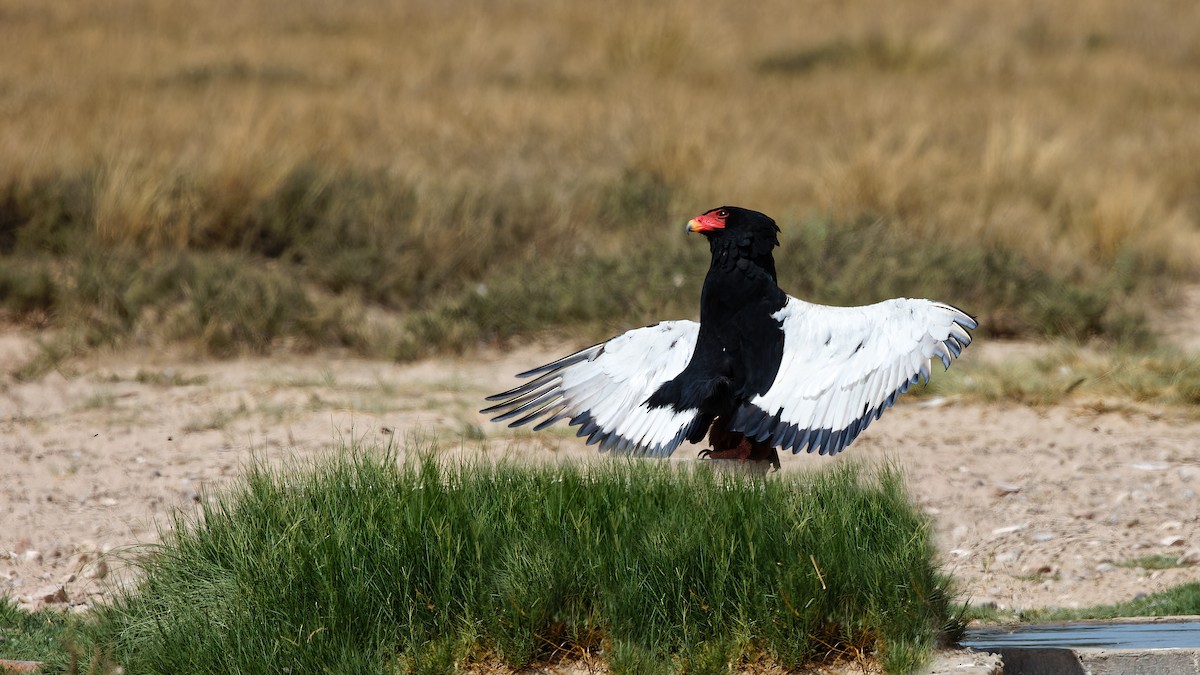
point(1166, 661)
point(1099, 661)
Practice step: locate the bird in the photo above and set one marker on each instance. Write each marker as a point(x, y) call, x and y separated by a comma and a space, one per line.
point(761, 371)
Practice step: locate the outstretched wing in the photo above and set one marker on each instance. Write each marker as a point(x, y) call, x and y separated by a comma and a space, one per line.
point(843, 366)
point(603, 391)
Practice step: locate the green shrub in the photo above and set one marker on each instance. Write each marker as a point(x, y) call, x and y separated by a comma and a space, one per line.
point(366, 566)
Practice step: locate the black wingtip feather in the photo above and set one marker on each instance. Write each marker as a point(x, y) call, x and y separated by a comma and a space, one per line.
point(555, 416)
point(564, 362)
point(541, 410)
point(522, 389)
point(535, 402)
point(952, 344)
point(801, 440)
point(596, 435)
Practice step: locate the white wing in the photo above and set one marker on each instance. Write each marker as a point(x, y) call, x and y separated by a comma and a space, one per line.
point(843, 366)
point(603, 390)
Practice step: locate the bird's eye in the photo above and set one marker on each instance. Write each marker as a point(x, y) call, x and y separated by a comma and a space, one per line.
point(722, 213)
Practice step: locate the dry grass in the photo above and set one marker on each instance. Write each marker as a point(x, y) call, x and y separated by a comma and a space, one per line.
point(398, 154)
point(1161, 379)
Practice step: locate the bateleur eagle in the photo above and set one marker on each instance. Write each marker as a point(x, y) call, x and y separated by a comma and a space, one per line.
point(760, 371)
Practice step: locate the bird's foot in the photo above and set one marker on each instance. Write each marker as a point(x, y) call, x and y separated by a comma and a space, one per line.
point(737, 453)
point(745, 452)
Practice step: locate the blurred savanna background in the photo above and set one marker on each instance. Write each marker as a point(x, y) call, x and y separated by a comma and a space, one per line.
point(403, 179)
point(222, 223)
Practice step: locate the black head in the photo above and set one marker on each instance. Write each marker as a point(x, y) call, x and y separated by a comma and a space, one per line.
point(746, 228)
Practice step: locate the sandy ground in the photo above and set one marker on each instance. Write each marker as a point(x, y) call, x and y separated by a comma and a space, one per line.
point(1032, 507)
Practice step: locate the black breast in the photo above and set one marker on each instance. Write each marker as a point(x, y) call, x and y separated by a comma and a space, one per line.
point(740, 344)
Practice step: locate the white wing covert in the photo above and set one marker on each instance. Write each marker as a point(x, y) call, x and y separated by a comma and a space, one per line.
point(843, 366)
point(603, 391)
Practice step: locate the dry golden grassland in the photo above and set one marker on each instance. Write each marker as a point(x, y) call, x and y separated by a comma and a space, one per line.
point(404, 176)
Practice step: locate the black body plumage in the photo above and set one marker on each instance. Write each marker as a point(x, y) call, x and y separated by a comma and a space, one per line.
point(740, 344)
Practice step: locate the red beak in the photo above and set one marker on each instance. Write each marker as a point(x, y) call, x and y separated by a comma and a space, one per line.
point(705, 223)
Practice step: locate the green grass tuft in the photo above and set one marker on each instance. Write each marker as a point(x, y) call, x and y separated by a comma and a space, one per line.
point(50, 636)
point(364, 565)
point(1182, 600)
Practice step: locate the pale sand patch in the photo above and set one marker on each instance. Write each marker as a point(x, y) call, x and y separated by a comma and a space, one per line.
point(1032, 508)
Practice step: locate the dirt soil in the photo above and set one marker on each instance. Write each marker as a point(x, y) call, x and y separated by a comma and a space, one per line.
point(1032, 507)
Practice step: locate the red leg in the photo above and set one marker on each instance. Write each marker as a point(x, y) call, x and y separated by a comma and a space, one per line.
point(728, 444)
